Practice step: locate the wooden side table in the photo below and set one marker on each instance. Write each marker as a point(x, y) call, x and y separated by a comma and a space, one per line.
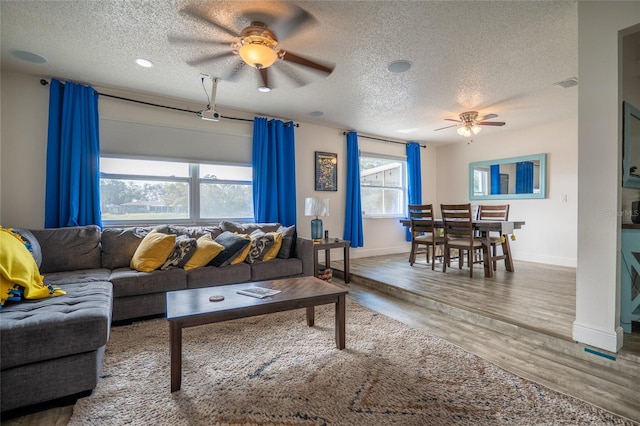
point(327, 245)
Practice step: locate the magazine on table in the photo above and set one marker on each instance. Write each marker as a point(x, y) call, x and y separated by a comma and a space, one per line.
point(259, 292)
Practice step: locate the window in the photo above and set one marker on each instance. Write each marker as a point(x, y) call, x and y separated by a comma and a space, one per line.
point(480, 181)
point(383, 185)
point(148, 191)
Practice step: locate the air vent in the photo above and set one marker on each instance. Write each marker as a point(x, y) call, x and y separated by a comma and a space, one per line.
point(570, 82)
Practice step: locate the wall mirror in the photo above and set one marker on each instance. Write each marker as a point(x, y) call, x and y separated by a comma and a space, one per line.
point(509, 178)
point(631, 146)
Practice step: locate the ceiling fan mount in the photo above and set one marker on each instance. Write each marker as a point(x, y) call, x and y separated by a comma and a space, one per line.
point(469, 123)
point(257, 45)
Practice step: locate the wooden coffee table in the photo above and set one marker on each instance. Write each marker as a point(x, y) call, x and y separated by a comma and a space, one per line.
point(188, 308)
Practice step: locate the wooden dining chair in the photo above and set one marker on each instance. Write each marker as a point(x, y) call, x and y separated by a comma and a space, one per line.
point(423, 232)
point(457, 221)
point(500, 212)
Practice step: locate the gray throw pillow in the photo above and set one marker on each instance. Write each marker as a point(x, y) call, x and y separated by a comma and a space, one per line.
point(288, 247)
point(32, 244)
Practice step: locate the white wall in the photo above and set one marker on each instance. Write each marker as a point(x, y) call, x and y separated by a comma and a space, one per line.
point(599, 153)
point(24, 135)
point(549, 235)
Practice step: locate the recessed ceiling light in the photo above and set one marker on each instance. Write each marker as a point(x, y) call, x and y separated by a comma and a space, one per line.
point(316, 113)
point(264, 89)
point(397, 67)
point(408, 130)
point(28, 56)
point(144, 63)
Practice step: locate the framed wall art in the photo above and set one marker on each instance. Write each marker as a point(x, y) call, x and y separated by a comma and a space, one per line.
point(326, 171)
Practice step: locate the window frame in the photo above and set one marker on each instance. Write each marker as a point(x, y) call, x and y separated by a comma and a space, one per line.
point(404, 187)
point(193, 181)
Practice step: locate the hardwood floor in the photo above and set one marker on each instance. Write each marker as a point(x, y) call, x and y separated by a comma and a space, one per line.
point(519, 321)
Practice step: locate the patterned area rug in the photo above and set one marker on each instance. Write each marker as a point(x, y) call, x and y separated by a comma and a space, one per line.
point(275, 370)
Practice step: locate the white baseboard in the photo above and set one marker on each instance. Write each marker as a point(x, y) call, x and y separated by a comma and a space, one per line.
point(608, 340)
point(364, 252)
point(549, 260)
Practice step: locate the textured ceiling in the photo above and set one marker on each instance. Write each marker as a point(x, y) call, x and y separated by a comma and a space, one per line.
point(490, 56)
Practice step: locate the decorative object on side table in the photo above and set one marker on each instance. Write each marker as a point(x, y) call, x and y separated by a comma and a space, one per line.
point(316, 207)
point(326, 176)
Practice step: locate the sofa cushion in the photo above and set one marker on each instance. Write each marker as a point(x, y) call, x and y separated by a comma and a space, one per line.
point(248, 228)
point(210, 276)
point(234, 246)
point(152, 251)
point(190, 231)
point(206, 250)
point(277, 268)
point(79, 276)
point(68, 249)
point(119, 244)
point(35, 330)
point(129, 282)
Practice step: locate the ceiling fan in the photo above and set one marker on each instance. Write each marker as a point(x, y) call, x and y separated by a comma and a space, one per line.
point(257, 45)
point(470, 123)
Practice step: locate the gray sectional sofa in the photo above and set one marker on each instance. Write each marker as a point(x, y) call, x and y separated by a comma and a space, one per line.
point(53, 348)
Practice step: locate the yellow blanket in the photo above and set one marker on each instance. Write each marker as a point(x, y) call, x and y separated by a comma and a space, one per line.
point(19, 274)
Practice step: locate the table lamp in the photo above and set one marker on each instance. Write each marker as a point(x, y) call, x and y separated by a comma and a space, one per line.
point(316, 207)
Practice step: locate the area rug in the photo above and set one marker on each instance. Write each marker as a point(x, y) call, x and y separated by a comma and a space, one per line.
point(275, 370)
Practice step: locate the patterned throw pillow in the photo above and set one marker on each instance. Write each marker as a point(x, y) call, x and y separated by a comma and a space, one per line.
point(260, 245)
point(181, 253)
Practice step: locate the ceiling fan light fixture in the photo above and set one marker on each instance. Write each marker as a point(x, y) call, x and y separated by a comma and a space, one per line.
point(258, 46)
point(476, 129)
point(258, 55)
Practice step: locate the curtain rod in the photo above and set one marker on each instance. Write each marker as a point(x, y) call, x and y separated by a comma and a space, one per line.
point(45, 82)
point(384, 140)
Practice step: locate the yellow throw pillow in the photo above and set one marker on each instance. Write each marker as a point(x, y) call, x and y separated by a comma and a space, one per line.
point(153, 251)
point(275, 248)
point(206, 251)
point(17, 266)
point(243, 254)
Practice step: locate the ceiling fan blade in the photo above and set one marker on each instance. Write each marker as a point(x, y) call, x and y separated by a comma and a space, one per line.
point(447, 127)
point(195, 40)
point(451, 119)
point(199, 16)
point(283, 28)
point(487, 117)
point(209, 58)
point(492, 123)
point(235, 72)
point(264, 73)
point(290, 57)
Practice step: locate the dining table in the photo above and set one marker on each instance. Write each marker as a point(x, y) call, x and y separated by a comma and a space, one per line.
point(485, 227)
